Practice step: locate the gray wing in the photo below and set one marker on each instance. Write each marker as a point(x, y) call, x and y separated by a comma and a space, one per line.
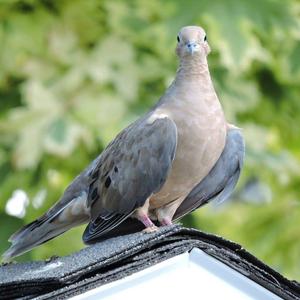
point(135, 165)
point(221, 180)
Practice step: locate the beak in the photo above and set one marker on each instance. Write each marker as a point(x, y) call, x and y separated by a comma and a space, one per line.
point(192, 47)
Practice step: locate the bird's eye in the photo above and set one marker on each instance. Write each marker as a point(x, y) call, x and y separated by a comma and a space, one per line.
point(205, 39)
point(178, 39)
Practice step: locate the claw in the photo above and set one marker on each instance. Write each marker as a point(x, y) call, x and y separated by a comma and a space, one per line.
point(150, 229)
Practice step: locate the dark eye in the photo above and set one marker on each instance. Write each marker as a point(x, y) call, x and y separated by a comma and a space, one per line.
point(205, 39)
point(178, 39)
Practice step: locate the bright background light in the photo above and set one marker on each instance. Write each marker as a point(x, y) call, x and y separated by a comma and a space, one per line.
point(16, 205)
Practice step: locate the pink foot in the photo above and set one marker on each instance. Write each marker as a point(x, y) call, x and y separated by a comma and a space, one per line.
point(166, 222)
point(150, 227)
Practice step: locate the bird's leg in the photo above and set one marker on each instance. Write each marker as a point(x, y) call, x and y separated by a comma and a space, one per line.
point(165, 214)
point(142, 215)
point(150, 226)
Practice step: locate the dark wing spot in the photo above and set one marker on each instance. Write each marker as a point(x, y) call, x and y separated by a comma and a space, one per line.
point(95, 174)
point(116, 169)
point(107, 182)
point(94, 194)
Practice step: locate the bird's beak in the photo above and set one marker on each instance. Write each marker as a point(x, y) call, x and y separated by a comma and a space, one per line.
point(192, 47)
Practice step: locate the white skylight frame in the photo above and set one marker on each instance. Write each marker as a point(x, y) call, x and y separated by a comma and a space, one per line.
point(192, 275)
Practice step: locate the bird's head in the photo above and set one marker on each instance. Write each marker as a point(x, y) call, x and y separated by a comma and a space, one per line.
point(192, 43)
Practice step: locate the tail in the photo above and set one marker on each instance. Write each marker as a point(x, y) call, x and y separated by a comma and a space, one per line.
point(53, 223)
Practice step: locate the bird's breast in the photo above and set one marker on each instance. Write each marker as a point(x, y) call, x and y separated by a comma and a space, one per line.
point(201, 139)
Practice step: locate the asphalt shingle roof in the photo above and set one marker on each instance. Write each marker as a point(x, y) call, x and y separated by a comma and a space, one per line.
point(104, 262)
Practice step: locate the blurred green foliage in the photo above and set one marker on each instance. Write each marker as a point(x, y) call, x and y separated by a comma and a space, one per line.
point(73, 73)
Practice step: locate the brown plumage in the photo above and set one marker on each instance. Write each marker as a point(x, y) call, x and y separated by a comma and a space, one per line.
point(150, 170)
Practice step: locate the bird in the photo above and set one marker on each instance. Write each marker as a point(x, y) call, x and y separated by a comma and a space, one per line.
point(178, 156)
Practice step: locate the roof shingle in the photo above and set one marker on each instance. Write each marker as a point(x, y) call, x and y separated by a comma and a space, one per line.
point(121, 256)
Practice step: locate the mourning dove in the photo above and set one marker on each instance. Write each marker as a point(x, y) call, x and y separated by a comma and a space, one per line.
point(159, 168)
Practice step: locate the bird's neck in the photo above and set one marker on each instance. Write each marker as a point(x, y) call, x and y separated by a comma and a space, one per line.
point(191, 87)
point(194, 63)
point(193, 73)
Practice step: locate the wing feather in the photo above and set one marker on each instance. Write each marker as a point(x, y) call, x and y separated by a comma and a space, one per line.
point(134, 166)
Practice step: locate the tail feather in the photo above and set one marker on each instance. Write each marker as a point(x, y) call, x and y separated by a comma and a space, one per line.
point(29, 240)
point(36, 235)
point(45, 228)
point(28, 227)
point(71, 210)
